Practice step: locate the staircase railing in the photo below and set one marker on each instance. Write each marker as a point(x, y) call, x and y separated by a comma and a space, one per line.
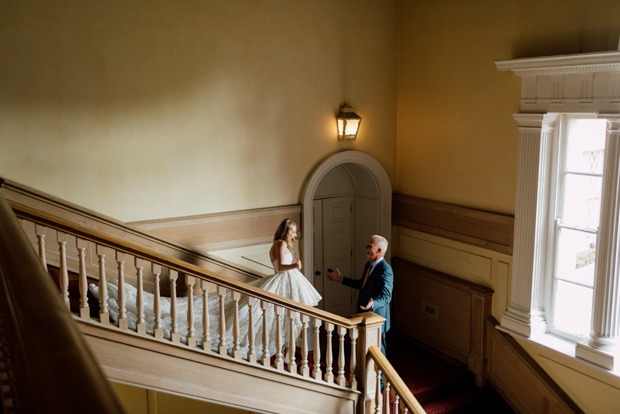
point(46, 366)
point(360, 331)
point(393, 383)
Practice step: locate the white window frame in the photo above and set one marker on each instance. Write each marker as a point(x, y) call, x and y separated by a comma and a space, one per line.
point(557, 168)
point(577, 84)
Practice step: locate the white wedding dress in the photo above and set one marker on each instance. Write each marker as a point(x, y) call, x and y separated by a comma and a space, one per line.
point(290, 284)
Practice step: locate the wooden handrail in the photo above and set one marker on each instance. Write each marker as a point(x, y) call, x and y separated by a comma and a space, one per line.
point(53, 367)
point(396, 382)
point(181, 266)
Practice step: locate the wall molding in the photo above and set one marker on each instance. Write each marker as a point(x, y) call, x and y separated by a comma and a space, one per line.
point(210, 232)
point(520, 379)
point(444, 312)
point(479, 228)
point(38, 200)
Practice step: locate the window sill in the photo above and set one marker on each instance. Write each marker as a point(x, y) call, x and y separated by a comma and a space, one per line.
point(568, 349)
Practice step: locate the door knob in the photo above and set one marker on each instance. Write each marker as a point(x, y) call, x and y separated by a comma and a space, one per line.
point(317, 273)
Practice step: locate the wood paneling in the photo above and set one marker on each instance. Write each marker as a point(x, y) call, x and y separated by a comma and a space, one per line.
point(135, 359)
point(220, 231)
point(37, 200)
point(521, 381)
point(479, 228)
point(442, 311)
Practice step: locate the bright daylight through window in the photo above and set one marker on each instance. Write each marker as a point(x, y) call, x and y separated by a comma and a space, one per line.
point(577, 214)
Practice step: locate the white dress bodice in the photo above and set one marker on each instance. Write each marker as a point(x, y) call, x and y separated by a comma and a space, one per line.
point(288, 259)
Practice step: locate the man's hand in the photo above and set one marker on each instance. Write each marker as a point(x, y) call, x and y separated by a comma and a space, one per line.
point(368, 306)
point(334, 277)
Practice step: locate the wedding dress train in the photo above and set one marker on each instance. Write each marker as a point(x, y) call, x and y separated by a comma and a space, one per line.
point(290, 284)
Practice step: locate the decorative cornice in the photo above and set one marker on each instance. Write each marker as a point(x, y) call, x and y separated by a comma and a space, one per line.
point(563, 64)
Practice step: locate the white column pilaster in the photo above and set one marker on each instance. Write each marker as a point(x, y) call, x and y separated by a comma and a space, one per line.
point(603, 341)
point(525, 314)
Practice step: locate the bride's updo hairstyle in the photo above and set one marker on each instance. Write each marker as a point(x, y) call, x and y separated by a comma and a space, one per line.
point(282, 232)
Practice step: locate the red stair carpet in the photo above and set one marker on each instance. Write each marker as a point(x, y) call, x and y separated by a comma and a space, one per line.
point(441, 385)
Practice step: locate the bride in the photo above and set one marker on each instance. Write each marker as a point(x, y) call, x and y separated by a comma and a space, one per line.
point(287, 281)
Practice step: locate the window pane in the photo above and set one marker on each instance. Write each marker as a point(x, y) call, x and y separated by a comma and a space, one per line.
point(577, 251)
point(573, 308)
point(585, 145)
point(582, 200)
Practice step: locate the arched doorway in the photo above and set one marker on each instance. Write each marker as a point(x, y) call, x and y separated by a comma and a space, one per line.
point(348, 180)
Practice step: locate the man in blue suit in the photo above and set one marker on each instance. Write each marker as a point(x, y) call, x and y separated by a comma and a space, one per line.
point(376, 283)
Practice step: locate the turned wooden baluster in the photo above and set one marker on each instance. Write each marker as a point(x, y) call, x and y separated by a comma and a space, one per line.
point(386, 398)
point(251, 346)
point(191, 330)
point(305, 370)
point(396, 403)
point(104, 315)
point(206, 341)
point(221, 292)
point(316, 372)
point(175, 336)
point(140, 324)
point(406, 410)
point(61, 238)
point(236, 352)
point(158, 330)
point(265, 358)
point(342, 380)
point(378, 394)
point(279, 359)
point(292, 365)
point(353, 333)
point(39, 230)
point(122, 314)
point(329, 359)
point(83, 284)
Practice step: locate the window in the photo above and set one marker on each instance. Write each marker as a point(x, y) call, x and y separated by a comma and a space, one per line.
point(576, 215)
point(566, 258)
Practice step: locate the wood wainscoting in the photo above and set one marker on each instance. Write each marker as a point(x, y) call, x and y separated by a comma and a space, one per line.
point(442, 311)
point(210, 232)
point(520, 380)
point(475, 227)
point(21, 195)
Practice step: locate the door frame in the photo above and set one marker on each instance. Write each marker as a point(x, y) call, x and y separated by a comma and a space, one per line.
point(382, 181)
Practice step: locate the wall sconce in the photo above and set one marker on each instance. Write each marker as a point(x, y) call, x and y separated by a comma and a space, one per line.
point(348, 122)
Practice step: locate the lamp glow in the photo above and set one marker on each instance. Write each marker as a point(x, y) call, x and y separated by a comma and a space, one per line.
point(348, 123)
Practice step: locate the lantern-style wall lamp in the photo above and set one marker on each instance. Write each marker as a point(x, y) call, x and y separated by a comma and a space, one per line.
point(348, 122)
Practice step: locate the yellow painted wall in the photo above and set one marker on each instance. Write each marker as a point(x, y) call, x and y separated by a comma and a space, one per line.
point(157, 109)
point(457, 141)
point(141, 401)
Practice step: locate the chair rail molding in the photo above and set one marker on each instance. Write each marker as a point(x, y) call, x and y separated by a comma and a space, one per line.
point(382, 182)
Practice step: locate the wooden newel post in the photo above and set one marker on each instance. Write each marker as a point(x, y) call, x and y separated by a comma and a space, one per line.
point(369, 335)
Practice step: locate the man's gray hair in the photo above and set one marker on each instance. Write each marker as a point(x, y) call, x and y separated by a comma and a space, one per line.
point(380, 242)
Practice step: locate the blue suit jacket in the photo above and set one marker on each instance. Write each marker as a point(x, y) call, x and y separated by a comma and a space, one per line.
point(378, 287)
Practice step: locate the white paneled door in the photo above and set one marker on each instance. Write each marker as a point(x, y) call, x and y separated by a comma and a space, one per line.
point(333, 231)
